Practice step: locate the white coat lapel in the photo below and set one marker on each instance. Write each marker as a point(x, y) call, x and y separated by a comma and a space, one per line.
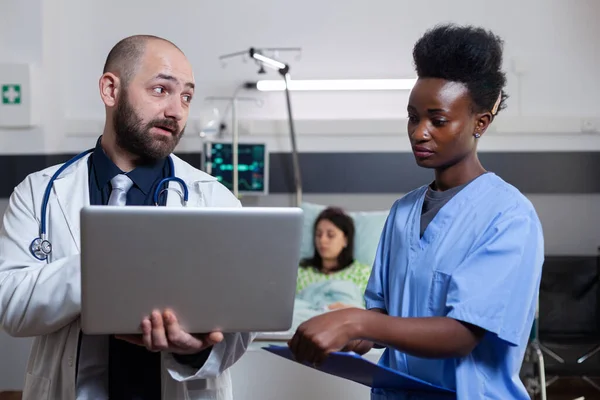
point(72, 192)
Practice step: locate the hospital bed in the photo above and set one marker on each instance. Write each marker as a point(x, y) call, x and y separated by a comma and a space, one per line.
point(262, 375)
point(368, 227)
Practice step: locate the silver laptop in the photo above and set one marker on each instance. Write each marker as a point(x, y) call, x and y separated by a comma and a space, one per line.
point(227, 269)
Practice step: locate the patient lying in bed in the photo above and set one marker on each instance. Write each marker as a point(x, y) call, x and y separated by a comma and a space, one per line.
point(331, 278)
point(333, 258)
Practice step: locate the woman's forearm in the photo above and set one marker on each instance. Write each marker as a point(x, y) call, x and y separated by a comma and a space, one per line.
point(432, 337)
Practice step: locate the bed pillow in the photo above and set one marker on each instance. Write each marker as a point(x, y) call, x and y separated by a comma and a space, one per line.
point(368, 227)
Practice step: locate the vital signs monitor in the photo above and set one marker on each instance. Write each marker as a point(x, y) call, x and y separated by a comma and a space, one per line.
point(253, 166)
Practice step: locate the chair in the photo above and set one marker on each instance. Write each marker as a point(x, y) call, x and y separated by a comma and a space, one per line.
point(569, 318)
point(536, 384)
point(591, 285)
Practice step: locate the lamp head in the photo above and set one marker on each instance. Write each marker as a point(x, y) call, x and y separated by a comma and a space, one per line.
point(282, 68)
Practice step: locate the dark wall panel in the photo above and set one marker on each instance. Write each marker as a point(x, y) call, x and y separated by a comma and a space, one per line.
point(533, 172)
point(575, 172)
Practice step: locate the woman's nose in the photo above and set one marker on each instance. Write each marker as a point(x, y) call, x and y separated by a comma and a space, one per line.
point(420, 133)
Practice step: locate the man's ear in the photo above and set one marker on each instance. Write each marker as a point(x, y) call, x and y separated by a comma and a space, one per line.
point(110, 86)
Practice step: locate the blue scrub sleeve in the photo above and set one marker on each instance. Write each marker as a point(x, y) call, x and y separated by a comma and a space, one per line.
point(496, 286)
point(374, 293)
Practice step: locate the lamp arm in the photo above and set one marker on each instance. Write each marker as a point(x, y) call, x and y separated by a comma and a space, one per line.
point(295, 161)
point(284, 71)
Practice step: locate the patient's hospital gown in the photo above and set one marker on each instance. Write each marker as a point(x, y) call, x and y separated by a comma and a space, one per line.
point(357, 272)
point(479, 261)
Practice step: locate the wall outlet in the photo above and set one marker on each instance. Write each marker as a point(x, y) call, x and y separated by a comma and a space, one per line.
point(589, 126)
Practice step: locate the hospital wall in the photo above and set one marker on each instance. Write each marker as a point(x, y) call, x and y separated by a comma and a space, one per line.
point(550, 57)
point(354, 150)
point(353, 145)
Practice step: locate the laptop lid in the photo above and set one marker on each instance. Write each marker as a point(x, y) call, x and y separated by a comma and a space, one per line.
point(227, 269)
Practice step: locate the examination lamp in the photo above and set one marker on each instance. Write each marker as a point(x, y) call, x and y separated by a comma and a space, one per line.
point(284, 71)
point(269, 62)
point(333, 85)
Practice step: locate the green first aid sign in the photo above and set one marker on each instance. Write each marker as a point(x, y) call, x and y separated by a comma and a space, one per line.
point(11, 94)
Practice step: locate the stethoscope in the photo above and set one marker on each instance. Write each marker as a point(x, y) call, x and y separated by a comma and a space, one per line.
point(41, 247)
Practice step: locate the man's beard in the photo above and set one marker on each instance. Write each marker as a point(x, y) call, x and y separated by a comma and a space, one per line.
point(133, 136)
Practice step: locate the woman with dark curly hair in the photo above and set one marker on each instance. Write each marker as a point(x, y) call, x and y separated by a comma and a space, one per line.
point(453, 291)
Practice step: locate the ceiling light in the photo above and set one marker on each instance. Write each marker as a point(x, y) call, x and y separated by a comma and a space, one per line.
point(334, 84)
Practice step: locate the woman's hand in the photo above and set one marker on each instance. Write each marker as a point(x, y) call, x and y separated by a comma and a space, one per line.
point(324, 334)
point(359, 346)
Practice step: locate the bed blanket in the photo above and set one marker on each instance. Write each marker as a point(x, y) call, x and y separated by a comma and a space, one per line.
point(316, 297)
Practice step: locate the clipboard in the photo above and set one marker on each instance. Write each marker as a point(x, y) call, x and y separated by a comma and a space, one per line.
point(351, 366)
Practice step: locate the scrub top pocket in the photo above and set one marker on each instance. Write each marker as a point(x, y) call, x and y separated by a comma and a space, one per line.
point(436, 300)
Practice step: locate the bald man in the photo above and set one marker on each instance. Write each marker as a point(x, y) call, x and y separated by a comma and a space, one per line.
point(147, 86)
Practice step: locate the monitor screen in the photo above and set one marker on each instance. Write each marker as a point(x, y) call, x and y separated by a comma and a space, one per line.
point(253, 165)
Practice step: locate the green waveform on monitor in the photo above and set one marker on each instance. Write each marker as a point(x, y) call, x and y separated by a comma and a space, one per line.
point(241, 167)
point(252, 161)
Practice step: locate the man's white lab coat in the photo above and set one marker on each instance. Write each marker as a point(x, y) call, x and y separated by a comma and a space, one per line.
point(43, 299)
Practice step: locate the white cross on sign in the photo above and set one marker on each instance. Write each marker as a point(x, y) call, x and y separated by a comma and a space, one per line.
point(10, 94)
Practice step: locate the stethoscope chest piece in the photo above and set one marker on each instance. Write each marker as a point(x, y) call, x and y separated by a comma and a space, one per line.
point(40, 248)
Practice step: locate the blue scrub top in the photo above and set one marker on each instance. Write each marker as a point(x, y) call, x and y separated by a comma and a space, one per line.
point(478, 261)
